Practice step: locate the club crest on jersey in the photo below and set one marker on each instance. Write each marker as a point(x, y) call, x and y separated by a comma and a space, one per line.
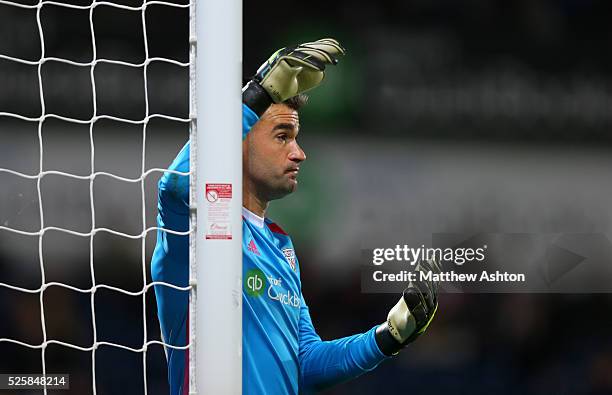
point(290, 257)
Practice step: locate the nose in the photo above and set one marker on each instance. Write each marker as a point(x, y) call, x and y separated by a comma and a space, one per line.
point(297, 154)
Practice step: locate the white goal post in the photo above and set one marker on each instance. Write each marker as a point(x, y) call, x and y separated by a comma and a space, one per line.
point(218, 257)
point(215, 232)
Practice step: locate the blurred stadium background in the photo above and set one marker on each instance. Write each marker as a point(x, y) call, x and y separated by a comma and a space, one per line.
point(471, 116)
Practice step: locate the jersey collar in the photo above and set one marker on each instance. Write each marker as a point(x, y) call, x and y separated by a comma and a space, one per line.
point(253, 218)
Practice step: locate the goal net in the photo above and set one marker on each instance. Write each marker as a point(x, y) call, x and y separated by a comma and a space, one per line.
point(95, 100)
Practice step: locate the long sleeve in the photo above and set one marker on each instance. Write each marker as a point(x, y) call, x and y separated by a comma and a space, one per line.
point(170, 262)
point(249, 118)
point(326, 363)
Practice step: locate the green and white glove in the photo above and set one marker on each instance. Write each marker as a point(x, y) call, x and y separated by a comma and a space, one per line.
point(289, 72)
point(412, 314)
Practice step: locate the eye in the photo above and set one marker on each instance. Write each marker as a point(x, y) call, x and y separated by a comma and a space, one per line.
point(282, 137)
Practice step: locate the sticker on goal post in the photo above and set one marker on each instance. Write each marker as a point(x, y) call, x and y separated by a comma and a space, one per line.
point(218, 221)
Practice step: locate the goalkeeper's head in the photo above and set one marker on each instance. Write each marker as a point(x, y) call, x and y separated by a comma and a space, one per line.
point(271, 154)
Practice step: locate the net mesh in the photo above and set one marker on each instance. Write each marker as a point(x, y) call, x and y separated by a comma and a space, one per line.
point(97, 116)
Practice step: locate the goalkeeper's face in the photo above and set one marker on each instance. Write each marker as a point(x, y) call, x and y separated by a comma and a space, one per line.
point(271, 154)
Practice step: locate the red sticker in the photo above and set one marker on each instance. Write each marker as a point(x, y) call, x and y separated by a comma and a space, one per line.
point(218, 221)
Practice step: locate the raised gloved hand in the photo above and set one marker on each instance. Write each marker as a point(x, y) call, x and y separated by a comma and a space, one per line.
point(289, 72)
point(412, 314)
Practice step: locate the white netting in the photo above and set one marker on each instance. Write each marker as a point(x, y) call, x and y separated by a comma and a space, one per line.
point(38, 176)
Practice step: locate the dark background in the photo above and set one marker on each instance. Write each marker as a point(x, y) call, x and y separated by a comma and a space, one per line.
point(471, 116)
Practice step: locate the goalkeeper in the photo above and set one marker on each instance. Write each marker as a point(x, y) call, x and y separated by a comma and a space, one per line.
point(282, 353)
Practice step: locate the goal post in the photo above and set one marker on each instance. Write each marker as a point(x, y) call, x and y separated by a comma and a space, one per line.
point(216, 197)
point(214, 344)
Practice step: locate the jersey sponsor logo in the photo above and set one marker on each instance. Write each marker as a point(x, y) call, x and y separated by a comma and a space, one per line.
point(253, 247)
point(255, 282)
point(290, 257)
point(277, 293)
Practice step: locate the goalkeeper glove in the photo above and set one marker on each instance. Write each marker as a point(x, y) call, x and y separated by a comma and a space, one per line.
point(412, 314)
point(289, 72)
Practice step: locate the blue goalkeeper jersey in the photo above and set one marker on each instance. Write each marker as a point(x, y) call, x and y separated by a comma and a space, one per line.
point(282, 353)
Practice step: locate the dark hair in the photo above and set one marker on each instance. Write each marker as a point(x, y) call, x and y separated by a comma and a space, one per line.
point(296, 102)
